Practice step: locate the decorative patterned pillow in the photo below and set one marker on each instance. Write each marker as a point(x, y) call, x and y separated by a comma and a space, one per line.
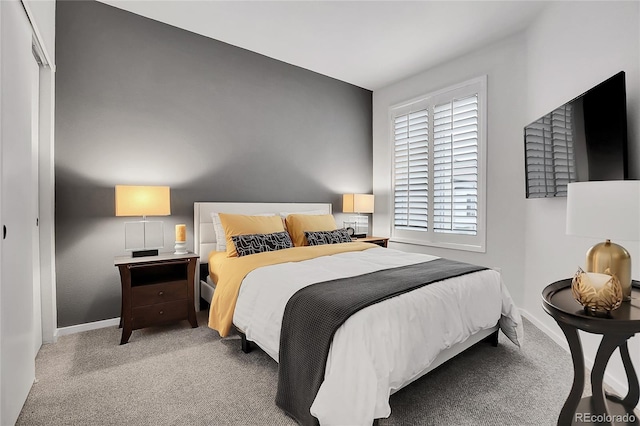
point(336, 236)
point(240, 224)
point(298, 224)
point(221, 239)
point(259, 243)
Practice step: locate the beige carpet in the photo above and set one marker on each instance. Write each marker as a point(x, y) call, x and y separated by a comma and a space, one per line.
point(176, 375)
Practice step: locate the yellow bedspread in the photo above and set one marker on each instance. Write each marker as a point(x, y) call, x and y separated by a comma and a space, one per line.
point(228, 272)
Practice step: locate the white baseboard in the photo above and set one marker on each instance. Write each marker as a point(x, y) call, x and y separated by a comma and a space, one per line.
point(555, 336)
point(609, 379)
point(64, 331)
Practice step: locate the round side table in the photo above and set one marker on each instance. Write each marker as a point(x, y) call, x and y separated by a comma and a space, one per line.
point(616, 328)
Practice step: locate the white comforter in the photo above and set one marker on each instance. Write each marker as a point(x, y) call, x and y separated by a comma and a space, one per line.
point(375, 352)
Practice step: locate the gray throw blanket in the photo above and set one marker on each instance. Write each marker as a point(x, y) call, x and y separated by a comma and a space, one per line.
point(314, 313)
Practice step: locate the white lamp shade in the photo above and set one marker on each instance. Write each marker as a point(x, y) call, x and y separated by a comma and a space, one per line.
point(604, 209)
point(357, 203)
point(142, 200)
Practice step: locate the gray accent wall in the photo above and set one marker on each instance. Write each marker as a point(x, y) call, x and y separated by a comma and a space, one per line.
point(139, 102)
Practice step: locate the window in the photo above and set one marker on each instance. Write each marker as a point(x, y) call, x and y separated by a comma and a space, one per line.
point(438, 168)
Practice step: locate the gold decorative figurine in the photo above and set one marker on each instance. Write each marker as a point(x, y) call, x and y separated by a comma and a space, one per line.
point(597, 292)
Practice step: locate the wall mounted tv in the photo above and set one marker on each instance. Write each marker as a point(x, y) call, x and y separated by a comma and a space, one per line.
point(584, 139)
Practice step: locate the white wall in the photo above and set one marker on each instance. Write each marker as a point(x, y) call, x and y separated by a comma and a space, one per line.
point(571, 47)
point(504, 65)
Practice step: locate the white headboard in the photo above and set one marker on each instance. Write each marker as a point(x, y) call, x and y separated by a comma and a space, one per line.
point(205, 237)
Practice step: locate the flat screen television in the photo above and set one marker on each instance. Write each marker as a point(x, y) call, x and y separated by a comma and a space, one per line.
point(582, 140)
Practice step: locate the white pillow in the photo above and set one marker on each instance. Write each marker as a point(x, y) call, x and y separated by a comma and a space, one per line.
point(221, 239)
point(310, 212)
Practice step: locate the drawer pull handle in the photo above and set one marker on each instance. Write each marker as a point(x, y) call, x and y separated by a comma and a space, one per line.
point(161, 312)
point(161, 293)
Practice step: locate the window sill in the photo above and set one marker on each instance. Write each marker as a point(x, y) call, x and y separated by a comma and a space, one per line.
point(451, 246)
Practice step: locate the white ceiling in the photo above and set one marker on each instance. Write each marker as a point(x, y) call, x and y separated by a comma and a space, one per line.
point(367, 43)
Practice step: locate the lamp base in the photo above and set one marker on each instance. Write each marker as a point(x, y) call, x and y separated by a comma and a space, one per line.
point(180, 247)
point(144, 253)
point(360, 225)
point(614, 257)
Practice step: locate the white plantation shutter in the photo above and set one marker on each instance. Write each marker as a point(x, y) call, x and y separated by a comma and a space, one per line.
point(549, 154)
point(411, 169)
point(438, 168)
point(455, 182)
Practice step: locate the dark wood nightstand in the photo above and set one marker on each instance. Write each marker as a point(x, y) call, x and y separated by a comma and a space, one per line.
point(156, 290)
point(616, 328)
point(381, 241)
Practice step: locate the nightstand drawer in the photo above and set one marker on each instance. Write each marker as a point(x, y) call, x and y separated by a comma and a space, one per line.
point(158, 293)
point(160, 313)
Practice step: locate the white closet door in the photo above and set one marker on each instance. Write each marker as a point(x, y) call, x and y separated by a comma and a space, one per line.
point(17, 369)
point(35, 205)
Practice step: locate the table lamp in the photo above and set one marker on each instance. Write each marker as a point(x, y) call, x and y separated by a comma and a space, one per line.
point(144, 237)
point(609, 210)
point(358, 203)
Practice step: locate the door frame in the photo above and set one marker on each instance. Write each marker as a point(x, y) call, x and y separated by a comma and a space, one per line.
point(46, 181)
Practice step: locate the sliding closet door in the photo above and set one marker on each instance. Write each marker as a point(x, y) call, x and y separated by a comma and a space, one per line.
point(17, 369)
point(35, 206)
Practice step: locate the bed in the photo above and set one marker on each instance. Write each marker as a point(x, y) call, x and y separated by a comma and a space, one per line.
point(377, 350)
